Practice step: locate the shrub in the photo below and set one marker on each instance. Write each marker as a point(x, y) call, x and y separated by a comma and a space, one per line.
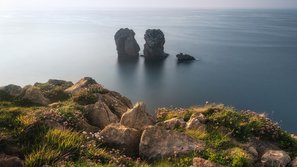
point(85, 97)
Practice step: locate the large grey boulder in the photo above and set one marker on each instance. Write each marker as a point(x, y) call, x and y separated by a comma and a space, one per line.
point(126, 43)
point(81, 84)
point(99, 115)
point(137, 117)
point(12, 90)
point(157, 143)
point(34, 95)
point(200, 162)
point(273, 158)
point(121, 137)
point(154, 44)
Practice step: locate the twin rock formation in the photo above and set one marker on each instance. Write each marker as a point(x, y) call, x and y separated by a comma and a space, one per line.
point(128, 47)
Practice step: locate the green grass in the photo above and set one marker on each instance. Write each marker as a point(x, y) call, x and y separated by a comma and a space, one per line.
point(55, 145)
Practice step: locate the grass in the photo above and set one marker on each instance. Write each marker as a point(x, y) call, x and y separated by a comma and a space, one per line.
point(55, 145)
point(196, 134)
point(41, 144)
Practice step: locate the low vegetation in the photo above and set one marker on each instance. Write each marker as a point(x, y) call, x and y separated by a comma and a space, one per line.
point(51, 134)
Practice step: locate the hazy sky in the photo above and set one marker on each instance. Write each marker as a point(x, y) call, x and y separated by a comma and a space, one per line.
point(97, 4)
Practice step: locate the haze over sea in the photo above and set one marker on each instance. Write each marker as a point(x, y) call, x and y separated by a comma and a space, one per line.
point(247, 58)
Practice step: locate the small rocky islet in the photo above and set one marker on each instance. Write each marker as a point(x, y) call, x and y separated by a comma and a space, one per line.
point(59, 123)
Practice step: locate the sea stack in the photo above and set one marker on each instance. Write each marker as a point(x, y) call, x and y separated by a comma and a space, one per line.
point(126, 44)
point(154, 44)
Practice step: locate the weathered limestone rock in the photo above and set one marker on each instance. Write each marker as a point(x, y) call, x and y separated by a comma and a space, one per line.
point(200, 162)
point(195, 124)
point(137, 117)
point(154, 44)
point(121, 137)
point(12, 90)
point(99, 115)
point(294, 162)
point(34, 95)
point(200, 117)
point(81, 84)
point(273, 158)
point(157, 143)
point(117, 103)
point(126, 43)
point(174, 123)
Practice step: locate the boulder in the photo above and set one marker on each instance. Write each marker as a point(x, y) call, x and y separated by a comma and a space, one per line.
point(12, 90)
point(34, 95)
point(253, 152)
point(294, 162)
point(81, 84)
point(200, 117)
point(273, 158)
point(262, 146)
point(137, 117)
point(184, 57)
point(126, 43)
point(195, 124)
point(99, 115)
point(117, 103)
point(200, 162)
point(121, 137)
point(154, 44)
point(173, 123)
point(10, 161)
point(158, 143)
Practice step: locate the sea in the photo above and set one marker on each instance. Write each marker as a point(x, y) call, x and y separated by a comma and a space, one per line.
point(246, 58)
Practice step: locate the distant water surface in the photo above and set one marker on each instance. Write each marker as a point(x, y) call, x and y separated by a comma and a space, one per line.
point(248, 58)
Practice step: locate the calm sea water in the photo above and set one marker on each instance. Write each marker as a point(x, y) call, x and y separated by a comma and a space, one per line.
point(248, 58)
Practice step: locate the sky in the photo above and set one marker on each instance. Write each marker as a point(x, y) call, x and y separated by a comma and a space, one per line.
point(107, 4)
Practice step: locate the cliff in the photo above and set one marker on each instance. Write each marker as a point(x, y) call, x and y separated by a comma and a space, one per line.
point(59, 123)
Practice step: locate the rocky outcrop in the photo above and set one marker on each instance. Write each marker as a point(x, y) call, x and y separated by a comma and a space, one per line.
point(12, 90)
point(195, 124)
point(126, 43)
point(273, 158)
point(10, 161)
point(200, 162)
point(99, 115)
point(117, 103)
point(262, 146)
point(81, 84)
point(121, 137)
point(56, 82)
point(154, 44)
point(173, 123)
point(158, 143)
point(137, 117)
point(294, 162)
point(34, 95)
point(184, 57)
